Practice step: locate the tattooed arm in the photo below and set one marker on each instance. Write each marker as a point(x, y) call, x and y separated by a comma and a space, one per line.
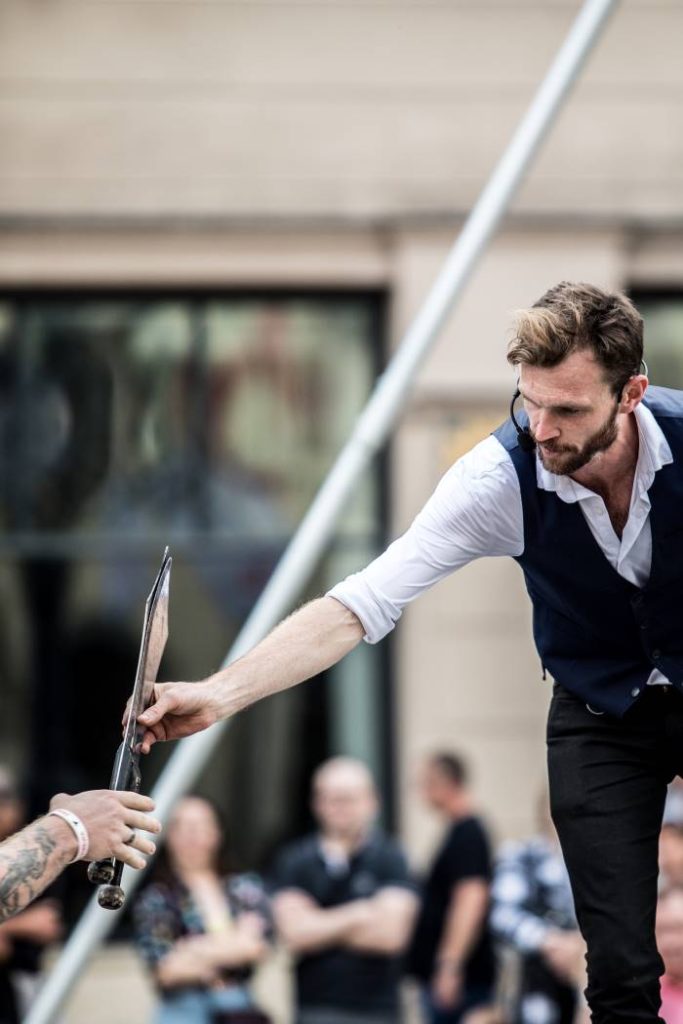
point(34, 857)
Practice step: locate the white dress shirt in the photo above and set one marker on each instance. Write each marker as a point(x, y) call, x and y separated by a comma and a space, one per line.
point(476, 510)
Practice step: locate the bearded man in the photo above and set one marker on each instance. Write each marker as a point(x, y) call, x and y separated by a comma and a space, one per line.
point(586, 494)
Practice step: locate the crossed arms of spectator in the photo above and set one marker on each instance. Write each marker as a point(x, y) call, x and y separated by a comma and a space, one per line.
point(380, 924)
point(34, 857)
point(199, 959)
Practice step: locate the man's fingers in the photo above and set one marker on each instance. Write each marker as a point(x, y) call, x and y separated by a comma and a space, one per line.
point(137, 820)
point(131, 845)
point(143, 845)
point(147, 742)
point(129, 856)
point(156, 711)
point(154, 735)
point(136, 801)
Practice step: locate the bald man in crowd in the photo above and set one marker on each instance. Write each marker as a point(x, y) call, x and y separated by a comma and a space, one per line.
point(344, 904)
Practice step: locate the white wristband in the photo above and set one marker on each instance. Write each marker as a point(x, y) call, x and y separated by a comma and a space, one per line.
point(78, 828)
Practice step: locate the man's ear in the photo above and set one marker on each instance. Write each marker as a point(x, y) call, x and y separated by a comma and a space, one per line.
point(633, 393)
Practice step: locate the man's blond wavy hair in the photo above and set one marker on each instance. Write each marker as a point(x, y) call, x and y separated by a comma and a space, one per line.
point(571, 317)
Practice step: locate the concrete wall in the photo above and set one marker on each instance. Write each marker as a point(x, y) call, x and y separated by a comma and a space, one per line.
point(330, 108)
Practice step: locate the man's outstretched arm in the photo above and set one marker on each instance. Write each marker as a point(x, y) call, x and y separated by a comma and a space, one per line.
point(309, 641)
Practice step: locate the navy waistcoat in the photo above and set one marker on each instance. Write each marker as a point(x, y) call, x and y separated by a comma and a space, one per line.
point(597, 634)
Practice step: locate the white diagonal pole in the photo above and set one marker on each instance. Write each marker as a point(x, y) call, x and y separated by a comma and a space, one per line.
point(369, 434)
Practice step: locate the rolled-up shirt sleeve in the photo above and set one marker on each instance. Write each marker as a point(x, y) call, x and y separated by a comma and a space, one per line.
point(476, 510)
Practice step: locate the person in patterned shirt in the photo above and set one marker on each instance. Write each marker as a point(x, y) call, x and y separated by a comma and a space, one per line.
point(533, 914)
point(201, 931)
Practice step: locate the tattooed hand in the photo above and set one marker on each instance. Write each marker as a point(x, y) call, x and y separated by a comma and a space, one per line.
point(32, 859)
point(110, 817)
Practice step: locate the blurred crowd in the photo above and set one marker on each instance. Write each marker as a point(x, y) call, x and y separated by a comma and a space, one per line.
point(483, 939)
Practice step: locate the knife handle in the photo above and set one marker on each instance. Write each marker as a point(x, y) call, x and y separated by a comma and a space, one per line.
point(101, 872)
point(112, 896)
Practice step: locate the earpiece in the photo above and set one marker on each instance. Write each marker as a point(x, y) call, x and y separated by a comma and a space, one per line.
point(524, 438)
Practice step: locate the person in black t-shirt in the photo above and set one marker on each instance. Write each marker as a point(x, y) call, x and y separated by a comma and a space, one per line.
point(451, 953)
point(344, 904)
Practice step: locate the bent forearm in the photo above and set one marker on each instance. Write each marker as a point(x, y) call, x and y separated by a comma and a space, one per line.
point(233, 950)
point(310, 930)
point(388, 926)
point(309, 641)
point(31, 860)
point(181, 967)
point(198, 959)
point(465, 920)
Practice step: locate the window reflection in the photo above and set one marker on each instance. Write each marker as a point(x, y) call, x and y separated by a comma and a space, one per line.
point(127, 423)
point(663, 316)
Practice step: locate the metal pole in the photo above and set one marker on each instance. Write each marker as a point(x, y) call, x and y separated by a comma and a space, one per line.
point(368, 436)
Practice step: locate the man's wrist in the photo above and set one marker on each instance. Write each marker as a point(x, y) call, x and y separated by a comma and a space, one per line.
point(221, 693)
point(77, 828)
point(449, 963)
point(63, 834)
point(351, 916)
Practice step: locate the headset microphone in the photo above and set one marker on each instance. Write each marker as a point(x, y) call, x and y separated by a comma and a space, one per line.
point(524, 438)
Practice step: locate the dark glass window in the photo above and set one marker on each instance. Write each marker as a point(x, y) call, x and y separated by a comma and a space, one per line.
point(662, 313)
point(205, 422)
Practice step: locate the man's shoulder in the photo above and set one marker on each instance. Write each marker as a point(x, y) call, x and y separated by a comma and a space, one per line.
point(383, 847)
point(468, 829)
point(487, 469)
point(294, 865)
point(487, 456)
point(663, 408)
point(664, 402)
point(384, 858)
point(302, 850)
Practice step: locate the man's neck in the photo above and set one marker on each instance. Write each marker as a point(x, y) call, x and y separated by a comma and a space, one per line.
point(459, 807)
point(343, 845)
point(610, 469)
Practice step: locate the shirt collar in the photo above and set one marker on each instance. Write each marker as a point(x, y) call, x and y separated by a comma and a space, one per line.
point(653, 453)
point(337, 865)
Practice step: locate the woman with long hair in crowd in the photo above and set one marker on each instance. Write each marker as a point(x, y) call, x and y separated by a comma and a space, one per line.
point(201, 929)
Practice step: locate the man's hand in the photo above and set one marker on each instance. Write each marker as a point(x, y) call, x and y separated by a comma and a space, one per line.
point(237, 948)
point(670, 933)
point(447, 985)
point(110, 818)
point(311, 640)
point(305, 927)
point(177, 710)
point(186, 964)
point(251, 925)
point(41, 923)
point(563, 952)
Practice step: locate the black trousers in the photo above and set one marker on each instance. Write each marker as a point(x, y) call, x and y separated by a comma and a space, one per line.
point(608, 780)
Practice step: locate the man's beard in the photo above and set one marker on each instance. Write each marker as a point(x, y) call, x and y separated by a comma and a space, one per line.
point(563, 460)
